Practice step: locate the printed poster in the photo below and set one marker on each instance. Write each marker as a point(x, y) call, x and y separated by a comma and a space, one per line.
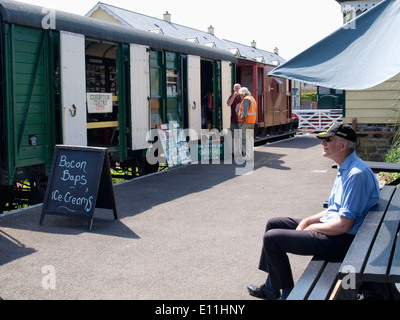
point(99, 102)
point(176, 149)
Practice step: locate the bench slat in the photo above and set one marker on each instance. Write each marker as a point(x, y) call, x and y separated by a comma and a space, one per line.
point(325, 285)
point(395, 269)
point(376, 268)
point(362, 244)
point(383, 166)
point(305, 284)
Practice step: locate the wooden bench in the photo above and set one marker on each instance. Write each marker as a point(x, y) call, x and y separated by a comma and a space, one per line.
point(374, 256)
point(318, 280)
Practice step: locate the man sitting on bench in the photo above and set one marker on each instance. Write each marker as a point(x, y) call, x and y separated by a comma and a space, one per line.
point(328, 234)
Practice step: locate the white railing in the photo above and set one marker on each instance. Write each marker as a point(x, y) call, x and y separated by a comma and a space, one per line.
point(318, 120)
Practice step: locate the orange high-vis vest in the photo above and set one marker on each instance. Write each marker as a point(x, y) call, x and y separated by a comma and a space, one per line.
point(252, 113)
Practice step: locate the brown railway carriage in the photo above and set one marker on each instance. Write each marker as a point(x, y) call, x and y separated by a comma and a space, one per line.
point(273, 96)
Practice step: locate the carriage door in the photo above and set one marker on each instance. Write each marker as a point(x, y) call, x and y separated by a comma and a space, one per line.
point(140, 93)
point(260, 94)
point(30, 97)
point(227, 85)
point(72, 47)
point(107, 80)
point(211, 99)
point(194, 94)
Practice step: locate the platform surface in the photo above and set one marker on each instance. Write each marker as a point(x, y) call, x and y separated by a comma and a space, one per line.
point(192, 233)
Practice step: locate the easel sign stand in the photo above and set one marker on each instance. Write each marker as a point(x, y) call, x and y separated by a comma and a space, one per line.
point(79, 182)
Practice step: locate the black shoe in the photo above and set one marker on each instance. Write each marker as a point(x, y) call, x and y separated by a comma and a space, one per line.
point(262, 292)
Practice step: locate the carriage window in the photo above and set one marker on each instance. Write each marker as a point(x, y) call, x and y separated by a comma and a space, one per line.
point(166, 91)
point(156, 92)
point(172, 83)
point(174, 92)
point(155, 82)
point(323, 90)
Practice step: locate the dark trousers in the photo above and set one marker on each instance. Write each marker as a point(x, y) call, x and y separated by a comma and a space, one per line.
point(281, 237)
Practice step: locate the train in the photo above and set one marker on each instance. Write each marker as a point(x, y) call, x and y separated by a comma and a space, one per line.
point(55, 67)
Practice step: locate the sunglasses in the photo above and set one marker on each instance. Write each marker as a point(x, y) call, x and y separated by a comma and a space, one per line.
point(328, 139)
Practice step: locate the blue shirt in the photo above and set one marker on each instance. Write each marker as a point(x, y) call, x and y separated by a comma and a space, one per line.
point(354, 193)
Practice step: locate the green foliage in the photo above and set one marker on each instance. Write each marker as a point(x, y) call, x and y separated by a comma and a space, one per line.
point(392, 157)
point(123, 173)
point(310, 96)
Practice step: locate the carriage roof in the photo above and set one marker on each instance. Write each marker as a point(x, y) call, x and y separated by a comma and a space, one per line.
point(32, 16)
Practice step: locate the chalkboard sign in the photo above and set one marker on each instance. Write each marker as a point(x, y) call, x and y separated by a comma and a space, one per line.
point(79, 182)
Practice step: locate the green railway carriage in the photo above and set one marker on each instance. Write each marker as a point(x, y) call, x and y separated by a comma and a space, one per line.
point(57, 68)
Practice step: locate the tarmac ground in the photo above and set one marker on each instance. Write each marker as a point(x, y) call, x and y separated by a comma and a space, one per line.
point(191, 233)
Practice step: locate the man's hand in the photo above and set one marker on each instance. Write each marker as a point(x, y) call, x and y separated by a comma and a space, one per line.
point(310, 220)
point(335, 228)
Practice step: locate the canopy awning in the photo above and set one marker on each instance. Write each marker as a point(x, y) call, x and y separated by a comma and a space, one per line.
point(363, 53)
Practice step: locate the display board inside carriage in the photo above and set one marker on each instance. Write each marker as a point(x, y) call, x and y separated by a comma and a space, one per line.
point(79, 182)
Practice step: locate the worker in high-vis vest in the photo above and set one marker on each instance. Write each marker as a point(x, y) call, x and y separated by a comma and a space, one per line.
point(247, 120)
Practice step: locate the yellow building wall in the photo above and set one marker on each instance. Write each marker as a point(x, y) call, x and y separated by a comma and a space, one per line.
point(378, 105)
point(100, 14)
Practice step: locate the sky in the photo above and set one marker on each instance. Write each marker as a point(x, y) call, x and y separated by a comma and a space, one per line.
point(290, 25)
